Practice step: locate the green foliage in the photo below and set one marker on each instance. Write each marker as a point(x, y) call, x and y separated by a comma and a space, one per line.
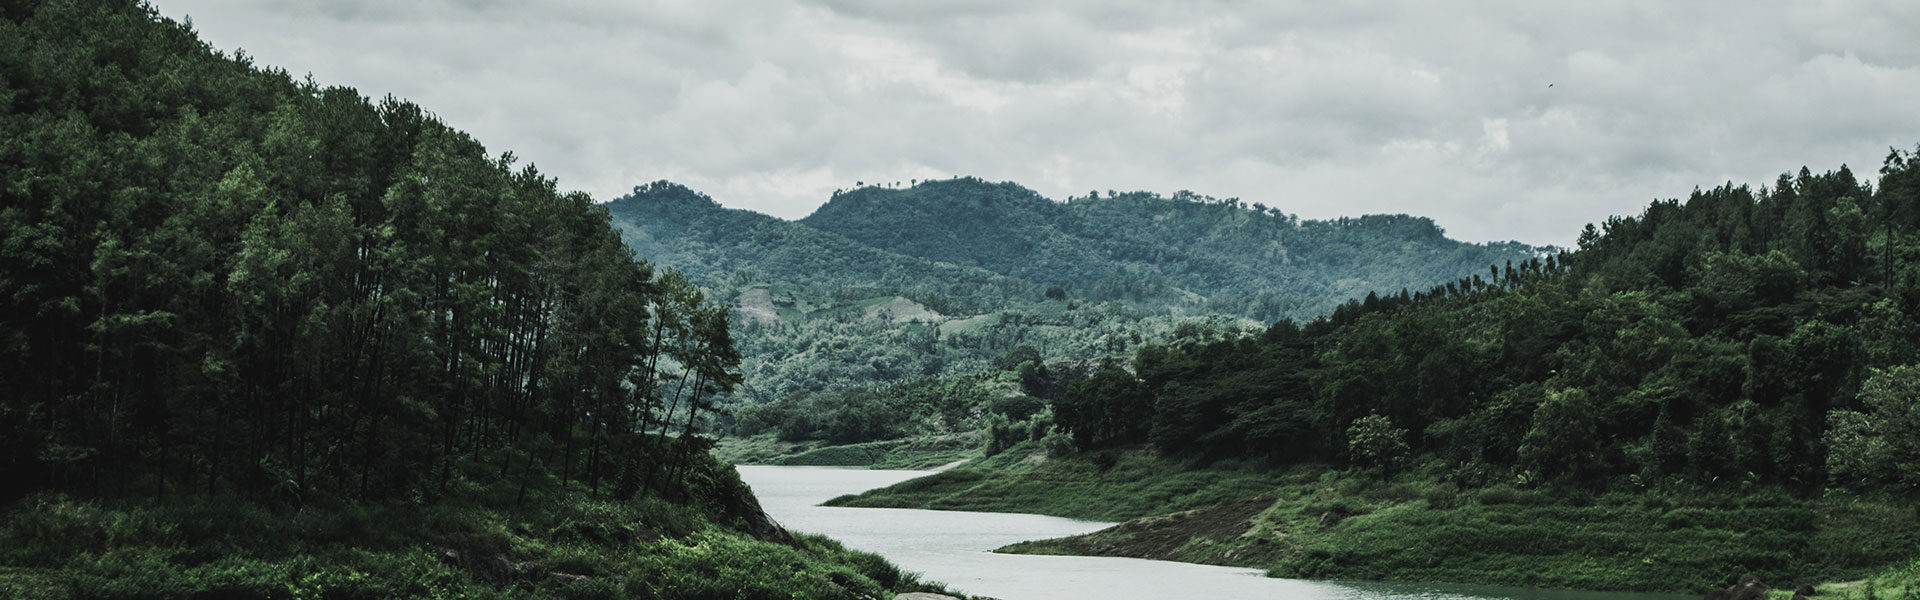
point(1643, 544)
point(1142, 247)
point(1109, 408)
point(911, 453)
point(268, 339)
point(1374, 442)
point(218, 278)
point(1879, 447)
point(927, 406)
point(1078, 486)
point(573, 547)
point(1703, 343)
point(1561, 444)
point(952, 278)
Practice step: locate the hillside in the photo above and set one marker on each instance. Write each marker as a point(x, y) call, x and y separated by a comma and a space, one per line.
point(881, 286)
point(268, 339)
point(1245, 259)
point(1738, 367)
point(670, 225)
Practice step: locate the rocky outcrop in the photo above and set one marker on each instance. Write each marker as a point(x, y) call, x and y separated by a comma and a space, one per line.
point(1748, 588)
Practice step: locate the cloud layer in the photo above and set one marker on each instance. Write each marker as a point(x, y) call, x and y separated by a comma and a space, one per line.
point(1502, 120)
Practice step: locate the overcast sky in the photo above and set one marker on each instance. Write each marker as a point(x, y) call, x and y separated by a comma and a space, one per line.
point(1501, 120)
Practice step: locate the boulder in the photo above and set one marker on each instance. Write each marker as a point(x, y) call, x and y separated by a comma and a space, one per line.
point(1748, 588)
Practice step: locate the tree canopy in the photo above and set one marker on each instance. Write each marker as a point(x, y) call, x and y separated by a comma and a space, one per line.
point(215, 276)
point(1738, 338)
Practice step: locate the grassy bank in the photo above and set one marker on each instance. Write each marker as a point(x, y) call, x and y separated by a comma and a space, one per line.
point(1099, 486)
point(911, 453)
point(1323, 524)
point(477, 543)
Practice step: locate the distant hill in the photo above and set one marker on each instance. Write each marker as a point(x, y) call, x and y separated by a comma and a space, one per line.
point(942, 243)
point(669, 224)
point(942, 278)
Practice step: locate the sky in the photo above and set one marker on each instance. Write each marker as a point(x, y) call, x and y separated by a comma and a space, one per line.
point(1519, 120)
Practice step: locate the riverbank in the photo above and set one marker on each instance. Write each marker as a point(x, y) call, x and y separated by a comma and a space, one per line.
point(913, 453)
point(708, 540)
point(1325, 524)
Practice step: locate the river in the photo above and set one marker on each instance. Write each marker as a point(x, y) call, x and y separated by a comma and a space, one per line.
point(955, 548)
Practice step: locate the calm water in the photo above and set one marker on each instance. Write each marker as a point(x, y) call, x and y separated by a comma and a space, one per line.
point(954, 548)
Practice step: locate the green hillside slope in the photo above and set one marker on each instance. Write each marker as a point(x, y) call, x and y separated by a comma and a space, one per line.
point(1248, 260)
point(267, 339)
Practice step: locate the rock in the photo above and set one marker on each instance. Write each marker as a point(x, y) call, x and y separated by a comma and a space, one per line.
point(923, 596)
point(493, 570)
point(529, 571)
point(558, 579)
point(1749, 588)
point(1805, 592)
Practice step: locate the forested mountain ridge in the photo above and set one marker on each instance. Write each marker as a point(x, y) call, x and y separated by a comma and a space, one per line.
point(268, 339)
point(939, 242)
point(836, 300)
point(1245, 259)
point(669, 224)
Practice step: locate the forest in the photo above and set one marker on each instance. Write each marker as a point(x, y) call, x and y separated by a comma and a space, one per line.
point(268, 338)
point(884, 285)
point(1716, 386)
point(1740, 339)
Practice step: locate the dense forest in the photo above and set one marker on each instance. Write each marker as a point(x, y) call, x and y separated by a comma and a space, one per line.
point(1230, 256)
point(229, 297)
point(1738, 339)
point(1715, 387)
point(885, 285)
point(222, 278)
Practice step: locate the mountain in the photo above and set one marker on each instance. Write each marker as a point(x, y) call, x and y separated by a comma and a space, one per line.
point(674, 226)
point(881, 285)
point(967, 246)
point(1141, 246)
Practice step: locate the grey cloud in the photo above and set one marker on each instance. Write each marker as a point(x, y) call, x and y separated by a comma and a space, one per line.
point(1439, 109)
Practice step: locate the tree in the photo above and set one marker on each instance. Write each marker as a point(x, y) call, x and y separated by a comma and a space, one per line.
point(1109, 408)
point(1562, 444)
point(1880, 445)
point(1373, 442)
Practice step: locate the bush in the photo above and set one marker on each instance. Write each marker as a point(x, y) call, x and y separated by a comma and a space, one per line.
point(1058, 445)
point(1017, 408)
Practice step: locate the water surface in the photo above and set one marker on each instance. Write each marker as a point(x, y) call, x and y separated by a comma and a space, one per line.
point(955, 548)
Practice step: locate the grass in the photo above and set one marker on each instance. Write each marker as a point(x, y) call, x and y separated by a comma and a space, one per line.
point(1021, 479)
point(759, 449)
point(923, 452)
point(1422, 531)
point(1897, 582)
point(1325, 524)
point(478, 543)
